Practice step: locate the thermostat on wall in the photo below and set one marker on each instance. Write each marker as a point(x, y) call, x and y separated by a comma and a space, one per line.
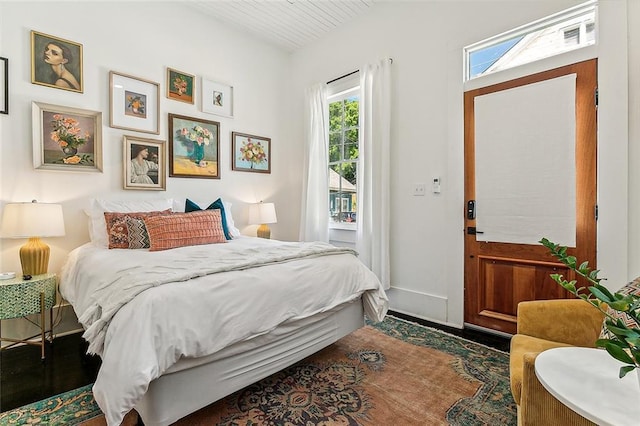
point(7, 275)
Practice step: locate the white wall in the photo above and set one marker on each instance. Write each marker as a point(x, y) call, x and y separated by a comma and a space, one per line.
point(142, 39)
point(425, 40)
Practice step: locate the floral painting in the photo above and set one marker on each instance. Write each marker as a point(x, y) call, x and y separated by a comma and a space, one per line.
point(180, 86)
point(194, 147)
point(250, 153)
point(67, 138)
point(136, 104)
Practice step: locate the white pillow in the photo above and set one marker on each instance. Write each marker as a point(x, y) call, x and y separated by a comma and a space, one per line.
point(178, 206)
point(231, 226)
point(97, 207)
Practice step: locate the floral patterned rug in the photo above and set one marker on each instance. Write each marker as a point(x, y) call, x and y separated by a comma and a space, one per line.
point(395, 372)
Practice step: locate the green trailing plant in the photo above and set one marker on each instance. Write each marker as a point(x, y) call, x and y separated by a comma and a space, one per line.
point(625, 343)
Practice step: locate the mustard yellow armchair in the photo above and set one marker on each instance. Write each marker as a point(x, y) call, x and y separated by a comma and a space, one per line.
point(542, 325)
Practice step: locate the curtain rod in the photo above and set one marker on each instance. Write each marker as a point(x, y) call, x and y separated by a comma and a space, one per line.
point(350, 73)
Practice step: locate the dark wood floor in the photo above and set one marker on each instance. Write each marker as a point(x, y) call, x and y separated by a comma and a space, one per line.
point(24, 378)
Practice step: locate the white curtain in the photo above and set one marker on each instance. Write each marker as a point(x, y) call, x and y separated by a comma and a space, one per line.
point(314, 220)
point(373, 180)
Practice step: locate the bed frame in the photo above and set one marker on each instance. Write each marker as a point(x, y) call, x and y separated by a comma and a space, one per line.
point(195, 383)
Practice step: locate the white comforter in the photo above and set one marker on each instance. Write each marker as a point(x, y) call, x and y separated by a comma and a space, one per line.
point(143, 311)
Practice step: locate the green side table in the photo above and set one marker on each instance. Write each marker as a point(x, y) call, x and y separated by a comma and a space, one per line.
point(19, 298)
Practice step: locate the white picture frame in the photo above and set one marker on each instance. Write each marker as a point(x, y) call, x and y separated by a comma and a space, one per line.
point(134, 103)
point(216, 98)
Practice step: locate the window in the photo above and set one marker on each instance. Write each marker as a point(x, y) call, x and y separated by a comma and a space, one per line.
point(571, 29)
point(344, 110)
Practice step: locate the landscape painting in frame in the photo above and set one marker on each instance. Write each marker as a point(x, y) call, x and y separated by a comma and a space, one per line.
point(180, 86)
point(66, 138)
point(56, 62)
point(194, 146)
point(250, 153)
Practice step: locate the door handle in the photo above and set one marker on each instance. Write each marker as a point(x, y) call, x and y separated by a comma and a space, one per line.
point(471, 230)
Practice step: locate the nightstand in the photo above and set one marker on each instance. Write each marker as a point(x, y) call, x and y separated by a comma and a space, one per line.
point(19, 298)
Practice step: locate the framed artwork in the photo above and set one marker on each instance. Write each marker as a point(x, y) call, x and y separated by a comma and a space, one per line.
point(144, 164)
point(194, 146)
point(250, 153)
point(180, 86)
point(4, 86)
point(134, 103)
point(217, 98)
point(56, 62)
point(66, 138)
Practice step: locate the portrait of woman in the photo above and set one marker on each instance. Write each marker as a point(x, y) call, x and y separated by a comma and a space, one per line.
point(144, 164)
point(56, 62)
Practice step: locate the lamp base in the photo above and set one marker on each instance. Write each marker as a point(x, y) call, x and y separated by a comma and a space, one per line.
point(264, 231)
point(34, 257)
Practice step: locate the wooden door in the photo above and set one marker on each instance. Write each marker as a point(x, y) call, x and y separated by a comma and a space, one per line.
point(499, 275)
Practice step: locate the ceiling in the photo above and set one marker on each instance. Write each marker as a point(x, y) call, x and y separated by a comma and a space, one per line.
point(289, 24)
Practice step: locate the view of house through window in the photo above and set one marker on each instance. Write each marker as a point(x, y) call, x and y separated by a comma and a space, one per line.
point(343, 156)
point(568, 30)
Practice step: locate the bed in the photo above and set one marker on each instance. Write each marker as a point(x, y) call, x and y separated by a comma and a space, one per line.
point(202, 321)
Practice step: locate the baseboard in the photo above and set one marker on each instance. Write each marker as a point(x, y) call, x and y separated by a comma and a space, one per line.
point(64, 319)
point(425, 306)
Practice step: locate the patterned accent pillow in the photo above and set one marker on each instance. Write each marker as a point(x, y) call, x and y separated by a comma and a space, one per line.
point(190, 206)
point(117, 226)
point(184, 229)
point(632, 288)
point(138, 235)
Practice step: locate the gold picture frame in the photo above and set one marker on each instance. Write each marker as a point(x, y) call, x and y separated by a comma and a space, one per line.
point(56, 62)
point(181, 86)
point(144, 164)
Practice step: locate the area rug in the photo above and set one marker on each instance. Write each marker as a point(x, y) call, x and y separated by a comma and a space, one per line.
point(395, 372)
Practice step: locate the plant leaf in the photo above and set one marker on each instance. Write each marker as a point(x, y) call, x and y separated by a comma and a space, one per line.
point(624, 370)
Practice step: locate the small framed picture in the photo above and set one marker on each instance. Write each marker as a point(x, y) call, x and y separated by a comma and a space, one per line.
point(217, 98)
point(250, 153)
point(66, 138)
point(194, 146)
point(56, 62)
point(4, 86)
point(144, 164)
point(180, 86)
point(134, 103)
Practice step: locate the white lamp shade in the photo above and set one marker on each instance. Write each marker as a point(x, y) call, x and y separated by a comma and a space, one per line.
point(262, 213)
point(26, 220)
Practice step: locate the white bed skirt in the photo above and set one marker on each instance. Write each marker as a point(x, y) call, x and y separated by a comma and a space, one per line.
point(195, 383)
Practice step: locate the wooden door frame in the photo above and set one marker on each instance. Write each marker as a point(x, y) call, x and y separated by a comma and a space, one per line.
point(586, 180)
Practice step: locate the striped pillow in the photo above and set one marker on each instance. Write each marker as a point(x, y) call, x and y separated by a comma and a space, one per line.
point(184, 229)
point(117, 226)
point(138, 235)
point(631, 288)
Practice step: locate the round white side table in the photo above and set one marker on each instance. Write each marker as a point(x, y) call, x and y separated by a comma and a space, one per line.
point(586, 380)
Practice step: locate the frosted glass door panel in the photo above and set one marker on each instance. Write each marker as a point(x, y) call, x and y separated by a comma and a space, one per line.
point(525, 163)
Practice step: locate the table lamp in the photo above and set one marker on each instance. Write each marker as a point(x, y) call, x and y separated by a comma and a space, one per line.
point(261, 214)
point(33, 220)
